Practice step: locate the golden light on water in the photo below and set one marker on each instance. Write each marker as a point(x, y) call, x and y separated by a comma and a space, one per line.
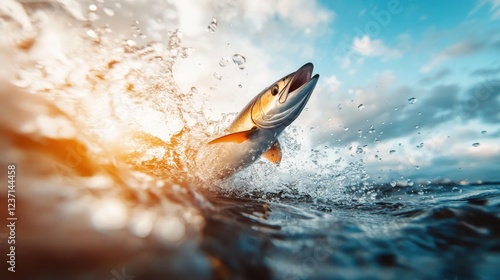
point(99, 131)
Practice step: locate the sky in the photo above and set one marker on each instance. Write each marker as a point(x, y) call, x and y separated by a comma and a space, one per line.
point(410, 87)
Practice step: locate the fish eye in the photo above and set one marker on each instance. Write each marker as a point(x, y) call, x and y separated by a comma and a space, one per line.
point(275, 90)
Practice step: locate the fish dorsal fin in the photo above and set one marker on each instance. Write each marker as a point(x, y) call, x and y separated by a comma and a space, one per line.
point(237, 137)
point(274, 153)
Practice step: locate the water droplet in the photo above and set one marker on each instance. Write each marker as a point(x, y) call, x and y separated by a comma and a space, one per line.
point(339, 106)
point(223, 62)
point(372, 130)
point(217, 75)
point(475, 144)
point(483, 132)
point(240, 86)
point(416, 127)
point(92, 16)
point(393, 183)
point(417, 167)
point(346, 128)
point(419, 113)
point(194, 90)
point(312, 129)
point(92, 8)
point(108, 11)
point(359, 150)
point(338, 160)
point(130, 43)
point(412, 100)
point(239, 60)
point(361, 107)
point(360, 131)
point(420, 145)
point(91, 33)
point(395, 108)
point(409, 182)
point(212, 26)
point(392, 152)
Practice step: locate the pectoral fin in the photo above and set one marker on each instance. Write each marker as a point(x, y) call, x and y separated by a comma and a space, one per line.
point(237, 137)
point(274, 153)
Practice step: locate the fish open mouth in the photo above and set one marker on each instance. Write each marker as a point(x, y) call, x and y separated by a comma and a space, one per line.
point(291, 100)
point(301, 77)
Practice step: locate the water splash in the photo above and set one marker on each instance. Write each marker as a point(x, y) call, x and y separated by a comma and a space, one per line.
point(99, 115)
point(139, 140)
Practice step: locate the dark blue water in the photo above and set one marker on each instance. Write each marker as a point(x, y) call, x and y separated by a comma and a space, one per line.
point(449, 232)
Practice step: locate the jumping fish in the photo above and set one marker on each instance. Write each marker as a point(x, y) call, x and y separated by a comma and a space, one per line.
point(254, 133)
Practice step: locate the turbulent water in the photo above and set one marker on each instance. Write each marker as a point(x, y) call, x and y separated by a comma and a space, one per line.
point(103, 142)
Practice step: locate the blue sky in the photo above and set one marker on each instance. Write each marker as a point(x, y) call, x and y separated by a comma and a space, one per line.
point(418, 30)
point(444, 53)
point(373, 56)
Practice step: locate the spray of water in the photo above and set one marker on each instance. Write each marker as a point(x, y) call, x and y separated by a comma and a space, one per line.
point(100, 106)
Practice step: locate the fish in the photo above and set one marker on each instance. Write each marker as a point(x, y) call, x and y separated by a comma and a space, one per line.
point(255, 130)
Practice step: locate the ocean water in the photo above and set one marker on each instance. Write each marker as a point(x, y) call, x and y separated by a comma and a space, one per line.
point(103, 142)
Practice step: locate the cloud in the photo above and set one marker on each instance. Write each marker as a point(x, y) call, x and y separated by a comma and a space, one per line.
point(494, 8)
point(343, 108)
point(259, 14)
point(459, 49)
point(460, 166)
point(436, 77)
point(374, 48)
point(486, 71)
point(386, 113)
point(482, 101)
point(267, 34)
point(332, 83)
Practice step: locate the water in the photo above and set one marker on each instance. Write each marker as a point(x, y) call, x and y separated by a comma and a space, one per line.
point(103, 141)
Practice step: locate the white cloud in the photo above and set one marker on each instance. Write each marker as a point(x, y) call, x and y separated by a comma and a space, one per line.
point(332, 83)
point(459, 49)
point(344, 61)
point(494, 8)
point(262, 31)
point(297, 13)
point(385, 80)
point(342, 105)
point(302, 13)
point(374, 48)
